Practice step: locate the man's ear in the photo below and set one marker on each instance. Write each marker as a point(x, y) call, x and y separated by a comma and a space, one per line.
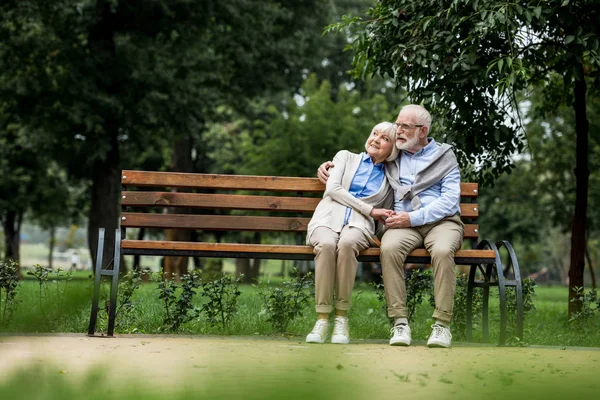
point(423, 132)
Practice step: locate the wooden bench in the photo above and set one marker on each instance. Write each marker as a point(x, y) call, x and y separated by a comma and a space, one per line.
point(273, 204)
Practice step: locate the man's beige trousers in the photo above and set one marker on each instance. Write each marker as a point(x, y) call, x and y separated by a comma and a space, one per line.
point(442, 239)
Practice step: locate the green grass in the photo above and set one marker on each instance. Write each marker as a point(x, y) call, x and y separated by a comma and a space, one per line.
point(65, 307)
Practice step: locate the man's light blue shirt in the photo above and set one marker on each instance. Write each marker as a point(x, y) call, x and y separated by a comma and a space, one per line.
point(438, 201)
point(367, 180)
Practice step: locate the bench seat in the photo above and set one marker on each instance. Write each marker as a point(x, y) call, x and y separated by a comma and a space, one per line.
point(278, 251)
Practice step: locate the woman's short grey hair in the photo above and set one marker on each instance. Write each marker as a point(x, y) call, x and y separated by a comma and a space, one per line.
point(423, 116)
point(390, 129)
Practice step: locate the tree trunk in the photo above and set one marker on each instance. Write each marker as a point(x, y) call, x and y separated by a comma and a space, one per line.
point(104, 208)
point(51, 244)
point(590, 266)
point(182, 162)
point(578, 239)
point(12, 235)
point(106, 182)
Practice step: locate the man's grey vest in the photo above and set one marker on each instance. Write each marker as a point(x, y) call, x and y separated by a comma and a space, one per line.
point(443, 162)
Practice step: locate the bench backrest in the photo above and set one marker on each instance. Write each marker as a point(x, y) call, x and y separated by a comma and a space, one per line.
point(260, 203)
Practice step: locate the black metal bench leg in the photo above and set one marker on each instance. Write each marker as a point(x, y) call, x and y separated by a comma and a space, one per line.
point(503, 306)
point(517, 283)
point(520, 311)
point(114, 284)
point(97, 277)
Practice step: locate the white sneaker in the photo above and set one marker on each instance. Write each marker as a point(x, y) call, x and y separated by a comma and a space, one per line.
point(341, 331)
point(440, 336)
point(400, 335)
point(319, 332)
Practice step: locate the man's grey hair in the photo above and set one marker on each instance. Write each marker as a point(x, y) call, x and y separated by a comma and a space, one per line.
point(390, 129)
point(423, 116)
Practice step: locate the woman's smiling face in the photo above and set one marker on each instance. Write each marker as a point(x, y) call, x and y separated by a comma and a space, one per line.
point(379, 146)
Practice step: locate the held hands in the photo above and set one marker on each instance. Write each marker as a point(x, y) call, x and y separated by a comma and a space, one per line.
point(381, 214)
point(398, 220)
point(390, 218)
point(322, 172)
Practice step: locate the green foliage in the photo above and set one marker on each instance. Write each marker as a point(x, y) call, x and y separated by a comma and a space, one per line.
point(9, 286)
point(311, 129)
point(528, 286)
point(467, 60)
point(588, 317)
point(178, 309)
point(380, 293)
point(286, 301)
point(221, 299)
point(419, 284)
point(52, 286)
point(126, 307)
point(459, 313)
point(41, 275)
point(97, 86)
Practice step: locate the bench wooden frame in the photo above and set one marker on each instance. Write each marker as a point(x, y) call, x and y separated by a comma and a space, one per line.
point(484, 257)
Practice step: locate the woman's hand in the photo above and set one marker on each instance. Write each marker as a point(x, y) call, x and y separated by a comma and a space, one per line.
point(381, 214)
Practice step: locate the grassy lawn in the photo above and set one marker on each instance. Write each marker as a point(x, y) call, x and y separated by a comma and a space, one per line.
point(64, 307)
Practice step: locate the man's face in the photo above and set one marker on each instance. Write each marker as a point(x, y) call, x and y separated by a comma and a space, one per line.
point(408, 132)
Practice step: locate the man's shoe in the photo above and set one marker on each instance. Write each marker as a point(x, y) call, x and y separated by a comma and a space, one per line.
point(440, 336)
point(400, 335)
point(341, 331)
point(319, 333)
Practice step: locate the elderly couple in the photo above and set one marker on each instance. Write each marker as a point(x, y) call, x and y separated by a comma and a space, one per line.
point(406, 186)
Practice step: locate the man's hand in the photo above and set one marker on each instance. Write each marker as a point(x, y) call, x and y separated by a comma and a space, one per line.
point(322, 172)
point(381, 214)
point(398, 220)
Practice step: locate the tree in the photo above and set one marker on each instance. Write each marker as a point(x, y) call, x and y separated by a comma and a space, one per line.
point(92, 76)
point(468, 60)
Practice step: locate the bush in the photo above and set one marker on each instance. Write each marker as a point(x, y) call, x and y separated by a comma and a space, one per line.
point(286, 301)
point(177, 309)
point(9, 285)
point(221, 295)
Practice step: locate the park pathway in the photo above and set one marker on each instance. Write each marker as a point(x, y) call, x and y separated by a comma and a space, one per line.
point(238, 368)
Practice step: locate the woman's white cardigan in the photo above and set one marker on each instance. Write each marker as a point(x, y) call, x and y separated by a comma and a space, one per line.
point(331, 211)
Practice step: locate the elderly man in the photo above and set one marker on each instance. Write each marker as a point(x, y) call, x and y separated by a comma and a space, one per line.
point(426, 182)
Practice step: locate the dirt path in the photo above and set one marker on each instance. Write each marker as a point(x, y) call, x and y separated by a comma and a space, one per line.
point(238, 366)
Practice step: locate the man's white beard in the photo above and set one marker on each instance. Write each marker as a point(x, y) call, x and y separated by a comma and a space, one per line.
point(409, 144)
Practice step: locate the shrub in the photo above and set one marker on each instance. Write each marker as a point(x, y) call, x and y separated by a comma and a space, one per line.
point(286, 301)
point(590, 307)
point(178, 309)
point(9, 285)
point(221, 295)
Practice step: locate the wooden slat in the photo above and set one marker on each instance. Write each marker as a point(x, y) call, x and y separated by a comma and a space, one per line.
point(471, 231)
point(239, 202)
point(215, 222)
point(216, 181)
point(469, 189)
point(469, 210)
point(232, 223)
point(219, 201)
point(240, 182)
point(270, 248)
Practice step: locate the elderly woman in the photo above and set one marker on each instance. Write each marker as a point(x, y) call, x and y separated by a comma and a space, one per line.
point(357, 194)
